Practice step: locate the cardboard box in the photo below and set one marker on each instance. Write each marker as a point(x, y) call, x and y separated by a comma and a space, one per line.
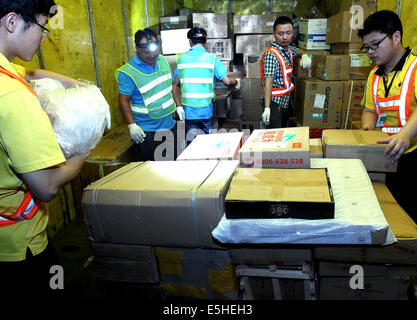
point(302, 73)
point(266, 255)
point(256, 23)
point(403, 252)
point(251, 92)
point(368, 6)
point(346, 47)
point(277, 148)
point(223, 48)
point(375, 288)
point(331, 67)
point(216, 146)
point(175, 22)
point(312, 34)
point(125, 263)
point(316, 148)
point(252, 63)
point(352, 103)
point(115, 150)
point(339, 29)
point(358, 144)
point(197, 273)
point(280, 193)
point(217, 25)
point(168, 203)
point(318, 104)
point(174, 41)
point(254, 43)
point(172, 60)
point(360, 66)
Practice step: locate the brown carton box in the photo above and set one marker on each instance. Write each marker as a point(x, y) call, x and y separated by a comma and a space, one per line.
point(167, 203)
point(280, 193)
point(302, 73)
point(175, 22)
point(331, 67)
point(277, 148)
point(368, 6)
point(352, 103)
point(358, 144)
point(316, 148)
point(318, 104)
point(340, 30)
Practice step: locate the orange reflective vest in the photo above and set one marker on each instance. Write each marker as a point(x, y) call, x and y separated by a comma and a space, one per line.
point(400, 103)
point(28, 206)
point(287, 71)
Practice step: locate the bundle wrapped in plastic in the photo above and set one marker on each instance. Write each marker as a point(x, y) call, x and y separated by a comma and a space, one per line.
point(78, 115)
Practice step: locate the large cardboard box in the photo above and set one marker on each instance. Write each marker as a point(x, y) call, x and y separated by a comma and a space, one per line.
point(256, 23)
point(360, 66)
point(339, 29)
point(318, 104)
point(174, 41)
point(125, 263)
point(254, 43)
point(175, 22)
point(267, 255)
point(115, 150)
point(368, 6)
point(217, 25)
point(167, 203)
point(312, 34)
point(251, 92)
point(277, 148)
point(216, 146)
point(300, 72)
point(403, 252)
point(358, 144)
point(223, 48)
point(280, 193)
point(352, 103)
point(346, 47)
point(331, 67)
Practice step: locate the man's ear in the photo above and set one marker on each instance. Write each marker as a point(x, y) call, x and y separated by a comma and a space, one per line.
point(397, 37)
point(10, 21)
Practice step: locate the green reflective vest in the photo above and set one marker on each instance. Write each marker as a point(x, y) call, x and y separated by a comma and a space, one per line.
point(197, 79)
point(155, 88)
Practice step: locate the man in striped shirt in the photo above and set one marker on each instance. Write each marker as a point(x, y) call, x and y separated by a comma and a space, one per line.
point(276, 73)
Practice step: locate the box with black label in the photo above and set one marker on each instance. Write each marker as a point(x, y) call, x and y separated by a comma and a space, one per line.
point(280, 193)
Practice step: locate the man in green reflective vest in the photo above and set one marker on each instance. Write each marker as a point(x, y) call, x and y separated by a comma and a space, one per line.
point(194, 75)
point(146, 101)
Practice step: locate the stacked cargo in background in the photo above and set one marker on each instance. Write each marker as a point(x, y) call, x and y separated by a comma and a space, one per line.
point(345, 40)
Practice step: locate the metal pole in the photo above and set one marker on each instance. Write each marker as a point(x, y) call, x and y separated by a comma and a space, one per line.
point(398, 7)
point(146, 14)
point(163, 9)
point(93, 43)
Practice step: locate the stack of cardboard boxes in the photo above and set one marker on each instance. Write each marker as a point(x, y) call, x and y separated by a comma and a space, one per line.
point(332, 98)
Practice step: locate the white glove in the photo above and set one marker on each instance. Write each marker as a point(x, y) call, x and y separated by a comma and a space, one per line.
point(136, 132)
point(305, 61)
point(181, 113)
point(266, 115)
point(237, 85)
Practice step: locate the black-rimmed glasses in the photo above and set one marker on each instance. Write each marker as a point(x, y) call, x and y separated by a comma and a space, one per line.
point(45, 31)
point(373, 46)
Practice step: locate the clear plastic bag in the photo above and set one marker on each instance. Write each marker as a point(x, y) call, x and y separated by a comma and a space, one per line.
point(79, 115)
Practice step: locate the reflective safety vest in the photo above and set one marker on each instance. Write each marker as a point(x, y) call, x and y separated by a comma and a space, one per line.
point(400, 103)
point(155, 88)
point(287, 71)
point(29, 206)
point(197, 79)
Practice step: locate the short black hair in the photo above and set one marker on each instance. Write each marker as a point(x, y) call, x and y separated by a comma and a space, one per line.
point(197, 35)
point(145, 33)
point(28, 8)
point(384, 21)
point(282, 20)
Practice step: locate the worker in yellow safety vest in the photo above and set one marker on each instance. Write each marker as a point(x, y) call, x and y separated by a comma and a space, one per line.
point(32, 165)
point(391, 100)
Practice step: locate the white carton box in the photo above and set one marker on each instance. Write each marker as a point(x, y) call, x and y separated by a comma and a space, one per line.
point(312, 34)
point(174, 41)
point(253, 43)
point(277, 148)
point(223, 48)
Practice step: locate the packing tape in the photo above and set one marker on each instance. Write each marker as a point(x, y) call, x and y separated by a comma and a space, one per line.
point(170, 261)
point(194, 205)
point(94, 197)
point(222, 281)
point(184, 290)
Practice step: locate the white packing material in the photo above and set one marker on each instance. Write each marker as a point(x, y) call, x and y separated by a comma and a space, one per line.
point(358, 216)
point(78, 115)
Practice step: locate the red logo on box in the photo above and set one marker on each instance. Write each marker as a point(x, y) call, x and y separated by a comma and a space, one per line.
point(296, 145)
